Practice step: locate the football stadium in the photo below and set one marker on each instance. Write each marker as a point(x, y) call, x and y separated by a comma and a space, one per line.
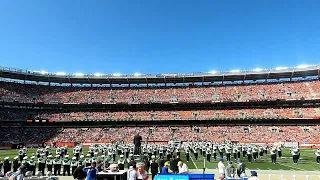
point(159, 90)
point(267, 119)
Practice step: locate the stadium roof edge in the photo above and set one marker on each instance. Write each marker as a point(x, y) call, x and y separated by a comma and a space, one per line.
point(239, 75)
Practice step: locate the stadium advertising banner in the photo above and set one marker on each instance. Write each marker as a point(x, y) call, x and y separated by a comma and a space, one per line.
point(5, 146)
point(291, 144)
point(33, 145)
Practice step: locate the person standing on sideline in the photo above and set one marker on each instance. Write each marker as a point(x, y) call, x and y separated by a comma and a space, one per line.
point(154, 167)
point(241, 169)
point(132, 173)
point(254, 176)
point(165, 168)
point(91, 171)
point(78, 173)
point(221, 169)
point(230, 171)
point(183, 168)
point(137, 144)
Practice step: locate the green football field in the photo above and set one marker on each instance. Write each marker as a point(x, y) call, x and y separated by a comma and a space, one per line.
point(307, 160)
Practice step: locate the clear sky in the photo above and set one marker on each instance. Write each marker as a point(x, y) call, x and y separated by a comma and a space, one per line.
point(158, 36)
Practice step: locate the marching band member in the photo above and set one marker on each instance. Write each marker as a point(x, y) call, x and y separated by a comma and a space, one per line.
point(261, 151)
point(208, 153)
point(249, 154)
point(74, 164)
point(6, 165)
point(42, 163)
point(66, 165)
point(121, 162)
point(255, 153)
point(16, 163)
point(49, 163)
point(318, 155)
point(279, 151)
point(295, 155)
point(235, 152)
point(273, 155)
point(228, 153)
point(57, 165)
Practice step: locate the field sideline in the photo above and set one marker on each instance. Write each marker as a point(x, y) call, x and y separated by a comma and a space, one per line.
point(307, 161)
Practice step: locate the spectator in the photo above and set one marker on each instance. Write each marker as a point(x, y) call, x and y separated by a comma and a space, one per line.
point(165, 168)
point(154, 167)
point(221, 169)
point(78, 173)
point(18, 175)
point(230, 171)
point(91, 171)
point(241, 169)
point(254, 176)
point(132, 173)
point(183, 168)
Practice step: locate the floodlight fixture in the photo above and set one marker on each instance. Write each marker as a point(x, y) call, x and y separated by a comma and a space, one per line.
point(43, 72)
point(302, 66)
point(137, 74)
point(235, 71)
point(116, 74)
point(61, 73)
point(280, 68)
point(257, 70)
point(79, 74)
point(97, 74)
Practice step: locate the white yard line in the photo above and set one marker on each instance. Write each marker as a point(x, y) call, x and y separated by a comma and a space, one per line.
point(292, 167)
point(193, 162)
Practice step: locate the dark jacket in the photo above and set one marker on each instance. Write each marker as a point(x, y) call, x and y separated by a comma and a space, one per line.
point(230, 170)
point(131, 163)
point(137, 140)
point(161, 163)
point(79, 173)
point(174, 165)
point(241, 169)
point(154, 167)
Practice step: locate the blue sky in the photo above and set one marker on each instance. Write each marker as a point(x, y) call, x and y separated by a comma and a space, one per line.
point(154, 36)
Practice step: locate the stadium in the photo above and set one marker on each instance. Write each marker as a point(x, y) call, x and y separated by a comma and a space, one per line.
point(262, 107)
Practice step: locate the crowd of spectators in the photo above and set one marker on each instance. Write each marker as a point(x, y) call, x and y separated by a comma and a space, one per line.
point(125, 134)
point(185, 114)
point(7, 114)
point(28, 93)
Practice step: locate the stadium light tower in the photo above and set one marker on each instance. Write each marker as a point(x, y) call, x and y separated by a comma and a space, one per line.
point(213, 72)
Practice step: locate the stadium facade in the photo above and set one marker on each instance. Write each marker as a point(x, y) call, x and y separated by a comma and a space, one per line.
point(272, 100)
